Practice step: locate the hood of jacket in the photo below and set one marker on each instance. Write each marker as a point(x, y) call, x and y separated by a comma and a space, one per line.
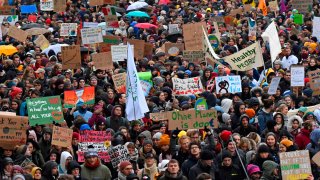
point(290, 121)
point(73, 164)
point(64, 156)
point(47, 169)
point(315, 137)
point(268, 167)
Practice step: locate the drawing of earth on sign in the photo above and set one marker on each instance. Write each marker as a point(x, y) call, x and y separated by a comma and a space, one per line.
point(173, 51)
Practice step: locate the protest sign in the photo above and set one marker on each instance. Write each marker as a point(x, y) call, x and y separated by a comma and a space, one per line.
point(228, 84)
point(71, 57)
point(297, 75)
point(11, 19)
point(193, 34)
point(91, 35)
point(192, 119)
point(61, 136)
point(210, 56)
point(316, 27)
point(42, 42)
point(12, 130)
point(173, 49)
point(316, 158)
point(148, 49)
point(274, 85)
point(59, 5)
point(248, 58)
point(218, 19)
point(158, 116)
point(107, 42)
point(252, 29)
point(100, 140)
point(118, 154)
point(119, 52)
point(174, 29)
point(17, 34)
point(119, 81)
point(109, 2)
point(146, 87)
point(273, 5)
point(96, 2)
point(68, 29)
point(295, 165)
point(314, 79)
point(44, 110)
point(193, 56)
point(303, 6)
point(110, 17)
point(36, 31)
point(46, 5)
point(79, 97)
point(214, 40)
point(102, 60)
point(28, 9)
point(201, 104)
point(7, 10)
point(190, 86)
point(138, 48)
point(90, 24)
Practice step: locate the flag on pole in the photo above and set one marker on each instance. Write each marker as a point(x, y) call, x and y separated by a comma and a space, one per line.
point(136, 104)
point(263, 7)
point(271, 35)
point(210, 55)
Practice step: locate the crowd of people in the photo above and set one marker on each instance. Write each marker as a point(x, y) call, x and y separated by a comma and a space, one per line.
point(254, 127)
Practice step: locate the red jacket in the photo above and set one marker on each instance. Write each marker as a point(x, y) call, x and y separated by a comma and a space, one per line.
point(303, 139)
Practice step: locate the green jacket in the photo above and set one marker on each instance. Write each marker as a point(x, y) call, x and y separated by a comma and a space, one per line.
point(100, 173)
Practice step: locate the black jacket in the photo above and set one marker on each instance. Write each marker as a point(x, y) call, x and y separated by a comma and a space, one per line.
point(229, 173)
point(200, 168)
point(245, 131)
point(167, 176)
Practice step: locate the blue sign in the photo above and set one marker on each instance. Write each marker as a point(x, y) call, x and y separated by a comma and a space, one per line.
point(26, 9)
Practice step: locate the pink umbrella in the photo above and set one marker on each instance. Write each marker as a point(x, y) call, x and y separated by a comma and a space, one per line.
point(164, 2)
point(145, 25)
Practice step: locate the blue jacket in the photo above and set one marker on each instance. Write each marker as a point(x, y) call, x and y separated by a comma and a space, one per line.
point(263, 117)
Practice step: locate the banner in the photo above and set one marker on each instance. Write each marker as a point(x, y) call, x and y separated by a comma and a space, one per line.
point(100, 141)
point(44, 110)
point(136, 102)
point(274, 85)
point(79, 97)
point(108, 41)
point(297, 75)
point(13, 131)
point(102, 60)
point(18, 34)
point(68, 29)
point(192, 36)
point(303, 6)
point(248, 58)
point(11, 19)
point(173, 49)
point(61, 136)
point(210, 56)
point(47, 5)
point(158, 116)
point(295, 164)
point(118, 154)
point(252, 29)
point(91, 35)
point(190, 86)
point(228, 84)
point(273, 5)
point(119, 52)
point(71, 57)
point(314, 79)
point(193, 56)
point(271, 36)
point(214, 40)
point(28, 9)
point(138, 48)
point(42, 42)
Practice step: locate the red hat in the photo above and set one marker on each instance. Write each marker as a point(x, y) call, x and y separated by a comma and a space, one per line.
point(75, 135)
point(15, 91)
point(225, 135)
point(124, 164)
point(48, 21)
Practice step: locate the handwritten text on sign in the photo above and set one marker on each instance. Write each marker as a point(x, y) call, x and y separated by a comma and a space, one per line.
point(91, 35)
point(118, 154)
point(187, 86)
point(61, 136)
point(297, 75)
point(228, 84)
point(71, 57)
point(314, 77)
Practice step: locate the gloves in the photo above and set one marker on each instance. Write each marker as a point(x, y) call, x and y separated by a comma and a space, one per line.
point(207, 130)
point(174, 133)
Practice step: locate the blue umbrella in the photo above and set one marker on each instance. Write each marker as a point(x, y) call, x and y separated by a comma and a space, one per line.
point(138, 14)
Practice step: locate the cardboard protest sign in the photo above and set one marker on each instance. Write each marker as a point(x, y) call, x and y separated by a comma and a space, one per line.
point(61, 136)
point(46, 5)
point(100, 141)
point(274, 85)
point(182, 87)
point(148, 49)
point(7, 10)
point(193, 56)
point(118, 154)
point(68, 29)
point(173, 49)
point(174, 29)
point(71, 57)
point(273, 5)
point(17, 34)
point(297, 75)
point(228, 84)
point(158, 116)
point(96, 2)
point(218, 19)
point(138, 47)
point(316, 158)
point(12, 130)
point(248, 58)
point(119, 81)
point(108, 41)
point(295, 165)
point(11, 19)
point(59, 5)
point(314, 77)
point(193, 34)
point(91, 35)
point(36, 31)
point(79, 97)
point(28, 9)
point(42, 42)
point(110, 17)
point(102, 60)
point(303, 6)
point(119, 52)
point(44, 110)
point(109, 2)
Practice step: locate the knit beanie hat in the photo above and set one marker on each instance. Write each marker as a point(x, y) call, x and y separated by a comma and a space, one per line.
point(250, 112)
point(18, 176)
point(157, 135)
point(157, 80)
point(164, 140)
point(225, 117)
point(182, 133)
point(251, 168)
point(147, 141)
point(269, 166)
point(15, 91)
point(263, 148)
point(124, 164)
point(75, 135)
point(206, 155)
point(225, 135)
point(226, 154)
point(286, 142)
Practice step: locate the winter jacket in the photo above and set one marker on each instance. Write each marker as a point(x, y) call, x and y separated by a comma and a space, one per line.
point(102, 172)
point(303, 139)
point(152, 172)
point(114, 122)
point(245, 131)
point(47, 171)
point(167, 176)
point(73, 165)
point(235, 118)
point(263, 118)
point(200, 168)
point(187, 165)
point(45, 146)
point(63, 158)
point(228, 173)
point(267, 168)
point(313, 148)
point(294, 132)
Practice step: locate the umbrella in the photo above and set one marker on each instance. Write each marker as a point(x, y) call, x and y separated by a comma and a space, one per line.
point(138, 14)
point(145, 25)
point(137, 5)
point(8, 50)
point(37, 31)
point(56, 48)
point(32, 25)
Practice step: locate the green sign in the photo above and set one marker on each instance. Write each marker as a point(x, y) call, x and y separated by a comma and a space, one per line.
point(44, 110)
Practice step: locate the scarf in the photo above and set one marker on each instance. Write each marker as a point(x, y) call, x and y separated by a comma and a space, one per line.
point(90, 166)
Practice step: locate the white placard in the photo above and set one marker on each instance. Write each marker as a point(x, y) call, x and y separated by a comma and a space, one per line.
point(68, 29)
point(228, 84)
point(119, 52)
point(274, 85)
point(11, 19)
point(297, 75)
point(91, 35)
point(188, 86)
point(46, 5)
